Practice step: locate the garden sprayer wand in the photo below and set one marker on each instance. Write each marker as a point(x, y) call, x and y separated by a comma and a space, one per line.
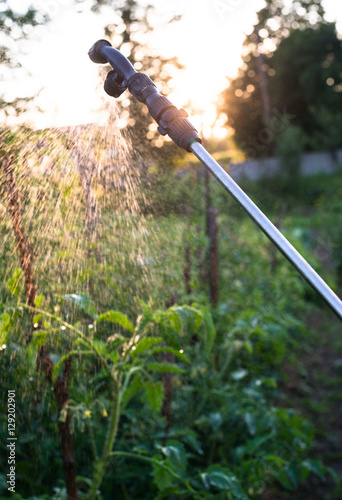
point(174, 122)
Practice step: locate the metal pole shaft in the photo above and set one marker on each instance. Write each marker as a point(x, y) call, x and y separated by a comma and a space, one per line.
point(269, 229)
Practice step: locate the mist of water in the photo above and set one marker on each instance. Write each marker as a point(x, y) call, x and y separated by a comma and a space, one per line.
point(82, 206)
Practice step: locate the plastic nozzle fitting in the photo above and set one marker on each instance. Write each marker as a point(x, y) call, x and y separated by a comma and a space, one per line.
point(114, 85)
point(171, 120)
point(96, 54)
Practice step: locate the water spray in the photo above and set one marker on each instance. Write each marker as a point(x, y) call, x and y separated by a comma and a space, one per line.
point(174, 122)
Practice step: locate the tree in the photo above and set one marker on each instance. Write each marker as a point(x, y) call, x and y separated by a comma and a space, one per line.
point(288, 60)
point(15, 26)
point(307, 80)
point(277, 20)
point(129, 34)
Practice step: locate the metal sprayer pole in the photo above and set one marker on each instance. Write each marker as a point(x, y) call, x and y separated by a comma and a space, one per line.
point(173, 122)
point(268, 228)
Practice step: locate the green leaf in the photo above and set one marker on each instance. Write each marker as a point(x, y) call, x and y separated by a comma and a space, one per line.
point(59, 364)
point(117, 317)
point(315, 466)
point(144, 344)
point(292, 474)
point(269, 382)
point(82, 301)
point(239, 374)
point(39, 338)
point(251, 422)
point(174, 318)
point(145, 319)
point(155, 395)
point(169, 335)
point(134, 387)
point(248, 346)
point(55, 371)
point(176, 456)
point(190, 438)
point(254, 444)
point(223, 479)
point(276, 461)
point(15, 285)
point(101, 347)
point(175, 352)
point(284, 480)
point(209, 332)
point(39, 300)
point(215, 421)
point(184, 319)
point(164, 368)
point(37, 319)
point(5, 327)
point(334, 475)
point(161, 477)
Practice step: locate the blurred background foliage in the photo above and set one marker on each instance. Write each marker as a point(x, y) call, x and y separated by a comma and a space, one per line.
point(291, 65)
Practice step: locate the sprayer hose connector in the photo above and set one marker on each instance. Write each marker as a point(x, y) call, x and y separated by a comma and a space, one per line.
point(171, 120)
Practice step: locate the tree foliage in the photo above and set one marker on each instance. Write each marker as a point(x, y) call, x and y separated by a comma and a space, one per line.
point(308, 81)
point(301, 64)
point(230, 434)
point(15, 27)
point(129, 33)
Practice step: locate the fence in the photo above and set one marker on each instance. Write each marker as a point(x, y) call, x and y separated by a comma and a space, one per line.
point(311, 164)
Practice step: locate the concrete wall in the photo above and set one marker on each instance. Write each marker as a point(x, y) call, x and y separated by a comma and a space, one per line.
point(311, 164)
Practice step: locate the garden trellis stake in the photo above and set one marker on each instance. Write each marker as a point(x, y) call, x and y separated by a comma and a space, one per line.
point(174, 122)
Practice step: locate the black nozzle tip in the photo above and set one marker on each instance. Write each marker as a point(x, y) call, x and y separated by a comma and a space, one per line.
point(95, 53)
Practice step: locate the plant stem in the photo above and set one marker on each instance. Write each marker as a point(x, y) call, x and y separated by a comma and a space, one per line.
point(79, 333)
point(92, 439)
point(102, 463)
point(159, 464)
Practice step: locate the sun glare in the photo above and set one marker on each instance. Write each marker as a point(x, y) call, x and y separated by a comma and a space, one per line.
point(207, 41)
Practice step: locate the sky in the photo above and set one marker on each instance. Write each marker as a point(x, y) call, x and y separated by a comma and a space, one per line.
point(207, 40)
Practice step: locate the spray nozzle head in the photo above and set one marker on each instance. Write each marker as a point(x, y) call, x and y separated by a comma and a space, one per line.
point(171, 120)
point(102, 52)
point(114, 85)
point(96, 54)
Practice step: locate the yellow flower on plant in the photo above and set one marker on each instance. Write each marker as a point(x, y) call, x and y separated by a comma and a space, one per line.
point(104, 413)
point(87, 414)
